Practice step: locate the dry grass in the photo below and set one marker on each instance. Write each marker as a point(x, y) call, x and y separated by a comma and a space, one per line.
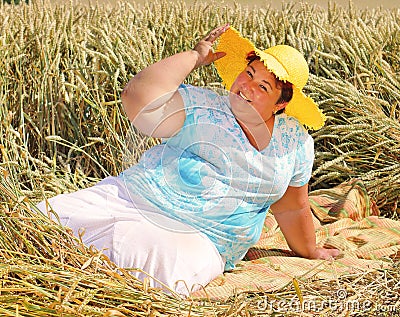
point(62, 127)
point(45, 271)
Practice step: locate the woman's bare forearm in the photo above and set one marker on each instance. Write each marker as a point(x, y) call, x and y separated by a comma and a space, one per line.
point(298, 228)
point(295, 219)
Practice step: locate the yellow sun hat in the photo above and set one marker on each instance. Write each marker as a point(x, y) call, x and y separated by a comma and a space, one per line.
point(287, 63)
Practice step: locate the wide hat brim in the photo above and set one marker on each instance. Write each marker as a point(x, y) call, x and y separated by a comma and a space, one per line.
point(302, 107)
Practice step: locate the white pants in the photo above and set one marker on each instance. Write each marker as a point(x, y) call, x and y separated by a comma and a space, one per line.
point(133, 234)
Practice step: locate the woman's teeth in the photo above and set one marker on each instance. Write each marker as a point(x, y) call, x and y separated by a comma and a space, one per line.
point(244, 96)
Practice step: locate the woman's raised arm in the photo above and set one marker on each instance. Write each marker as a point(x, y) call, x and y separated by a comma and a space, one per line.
point(150, 98)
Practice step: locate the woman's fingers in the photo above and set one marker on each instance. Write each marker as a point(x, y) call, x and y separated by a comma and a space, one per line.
point(218, 55)
point(214, 34)
point(204, 47)
point(326, 254)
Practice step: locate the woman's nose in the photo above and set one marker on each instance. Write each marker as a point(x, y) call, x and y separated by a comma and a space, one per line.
point(247, 89)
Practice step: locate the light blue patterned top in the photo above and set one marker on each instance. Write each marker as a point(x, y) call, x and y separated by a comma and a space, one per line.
point(209, 176)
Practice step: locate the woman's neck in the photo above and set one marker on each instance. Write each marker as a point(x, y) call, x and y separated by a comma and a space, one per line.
point(259, 134)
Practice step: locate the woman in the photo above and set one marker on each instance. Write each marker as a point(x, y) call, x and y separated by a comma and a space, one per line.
point(194, 204)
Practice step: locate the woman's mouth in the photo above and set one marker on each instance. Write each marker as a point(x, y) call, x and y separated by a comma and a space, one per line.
point(244, 96)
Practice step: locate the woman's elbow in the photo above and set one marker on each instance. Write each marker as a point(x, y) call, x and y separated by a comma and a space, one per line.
point(130, 100)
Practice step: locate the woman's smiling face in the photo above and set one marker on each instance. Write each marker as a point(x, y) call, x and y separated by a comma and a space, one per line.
point(255, 86)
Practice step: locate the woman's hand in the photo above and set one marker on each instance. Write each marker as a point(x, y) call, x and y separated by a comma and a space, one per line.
point(204, 48)
point(324, 254)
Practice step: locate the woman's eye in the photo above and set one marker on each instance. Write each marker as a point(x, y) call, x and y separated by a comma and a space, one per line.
point(250, 74)
point(263, 87)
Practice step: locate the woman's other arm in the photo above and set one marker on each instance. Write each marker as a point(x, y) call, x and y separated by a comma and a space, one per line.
point(150, 98)
point(294, 217)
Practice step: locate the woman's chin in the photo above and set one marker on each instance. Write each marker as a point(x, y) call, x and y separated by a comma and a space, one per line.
point(244, 111)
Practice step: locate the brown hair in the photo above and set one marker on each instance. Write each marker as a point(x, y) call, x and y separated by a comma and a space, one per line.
point(285, 87)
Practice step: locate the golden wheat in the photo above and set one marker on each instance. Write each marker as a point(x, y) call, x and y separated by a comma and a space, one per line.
point(62, 127)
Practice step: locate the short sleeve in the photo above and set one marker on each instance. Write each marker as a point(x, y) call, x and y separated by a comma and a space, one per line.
point(189, 94)
point(304, 161)
point(194, 97)
point(199, 101)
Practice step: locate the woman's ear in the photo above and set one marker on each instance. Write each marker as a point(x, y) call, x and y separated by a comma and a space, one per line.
point(280, 106)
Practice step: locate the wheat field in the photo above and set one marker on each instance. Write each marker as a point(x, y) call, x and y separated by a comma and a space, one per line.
point(62, 127)
point(63, 69)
